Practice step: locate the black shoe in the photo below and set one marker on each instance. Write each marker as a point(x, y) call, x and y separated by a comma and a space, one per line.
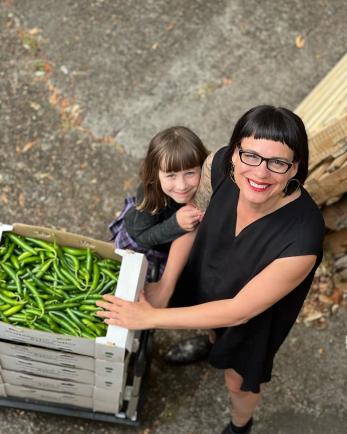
point(189, 351)
point(247, 428)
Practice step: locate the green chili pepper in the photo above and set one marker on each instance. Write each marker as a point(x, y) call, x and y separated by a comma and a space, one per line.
point(13, 309)
point(41, 243)
point(89, 316)
point(71, 278)
point(96, 277)
point(89, 308)
point(109, 273)
point(43, 269)
point(16, 318)
point(39, 326)
point(10, 272)
point(9, 252)
point(36, 296)
point(19, 241)
point(24, 255)
point(8, 300)
point(92, 326)
point(32, 311)
point(59, 306)
point(14, 261)
point(74, 252)
point(66, 323)
point(108, 286)
point(8, 293)
point(30, 259)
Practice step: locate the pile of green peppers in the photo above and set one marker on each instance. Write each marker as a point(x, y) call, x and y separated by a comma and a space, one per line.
point(48, 287)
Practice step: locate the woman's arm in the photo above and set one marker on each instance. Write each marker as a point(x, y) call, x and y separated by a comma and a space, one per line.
point(264, 290)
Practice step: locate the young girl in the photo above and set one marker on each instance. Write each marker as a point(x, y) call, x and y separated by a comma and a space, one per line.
point(161, 211)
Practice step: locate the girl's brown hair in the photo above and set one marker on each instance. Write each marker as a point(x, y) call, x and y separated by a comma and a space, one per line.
point(171, 150)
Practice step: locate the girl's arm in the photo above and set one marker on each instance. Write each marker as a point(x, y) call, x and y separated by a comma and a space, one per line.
point(148, 231)
point(264, 290)
point(159, 293)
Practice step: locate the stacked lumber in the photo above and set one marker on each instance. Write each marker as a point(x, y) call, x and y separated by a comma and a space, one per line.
point(324, 112)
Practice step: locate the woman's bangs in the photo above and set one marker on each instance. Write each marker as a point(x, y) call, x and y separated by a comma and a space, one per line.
point(267, 131)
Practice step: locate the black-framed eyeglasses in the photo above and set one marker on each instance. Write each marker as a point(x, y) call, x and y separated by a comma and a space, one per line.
point(273, 164)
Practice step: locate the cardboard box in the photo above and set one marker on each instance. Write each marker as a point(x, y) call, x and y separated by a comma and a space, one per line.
point(111, 370)
point(107, 401)
point(131, 280)
point(64, 399)
point(37, 382)
point(46, 370)
point(63, 359)
point(2, 391)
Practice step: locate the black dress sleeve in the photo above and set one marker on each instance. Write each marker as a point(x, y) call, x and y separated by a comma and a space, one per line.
point(308, 234)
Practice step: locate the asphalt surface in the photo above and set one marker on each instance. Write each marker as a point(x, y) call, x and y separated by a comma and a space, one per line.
point(84, 85)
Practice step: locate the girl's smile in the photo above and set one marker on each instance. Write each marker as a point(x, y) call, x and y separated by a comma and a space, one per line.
point(180, 186)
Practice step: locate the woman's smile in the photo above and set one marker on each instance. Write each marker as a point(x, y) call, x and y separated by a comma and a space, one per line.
point(257, 185)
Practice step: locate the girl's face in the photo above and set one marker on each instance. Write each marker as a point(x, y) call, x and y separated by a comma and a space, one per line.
point(260, 187)
point(180, 186)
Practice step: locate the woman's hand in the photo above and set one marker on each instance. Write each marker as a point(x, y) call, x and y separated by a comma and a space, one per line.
point(131, 315)
point(188, 217)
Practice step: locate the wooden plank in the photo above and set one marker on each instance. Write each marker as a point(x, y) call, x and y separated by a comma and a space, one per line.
point(327, 185)
point(324, 112)
point(327, 101)
point(335, 216)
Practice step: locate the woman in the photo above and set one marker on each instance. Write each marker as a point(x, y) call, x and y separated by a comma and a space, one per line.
point(251, 262)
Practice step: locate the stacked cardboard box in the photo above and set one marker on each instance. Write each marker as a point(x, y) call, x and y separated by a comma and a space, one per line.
point(67, 370)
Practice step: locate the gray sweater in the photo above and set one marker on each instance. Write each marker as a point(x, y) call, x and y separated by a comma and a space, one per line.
point(154, 231)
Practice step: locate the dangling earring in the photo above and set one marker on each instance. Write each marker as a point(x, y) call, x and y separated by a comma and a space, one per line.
point(288, 187)
point(231, 172)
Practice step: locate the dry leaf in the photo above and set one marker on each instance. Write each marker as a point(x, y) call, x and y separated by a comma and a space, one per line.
point(336, 296)
point(299, 41)
point(21, 199)
point(25, 148)
point(325, 299)
point(35, 106)
point(170, 26)
point(4, 198)
point(313, 317)
point(55, 96)
point(227, 81)
point(43, 175)
point(155, 45)
point(34, 31)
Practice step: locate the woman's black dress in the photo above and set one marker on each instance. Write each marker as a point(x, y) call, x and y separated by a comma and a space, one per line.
point(221, 264)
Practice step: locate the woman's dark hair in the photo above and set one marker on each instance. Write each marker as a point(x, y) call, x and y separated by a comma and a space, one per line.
point(272, 123)
point(171, 150)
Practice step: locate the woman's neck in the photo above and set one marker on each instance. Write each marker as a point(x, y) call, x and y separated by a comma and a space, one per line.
point(254, 210)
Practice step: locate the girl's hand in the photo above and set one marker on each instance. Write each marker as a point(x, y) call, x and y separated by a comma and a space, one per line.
point(188, 217)
point(131, 315)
